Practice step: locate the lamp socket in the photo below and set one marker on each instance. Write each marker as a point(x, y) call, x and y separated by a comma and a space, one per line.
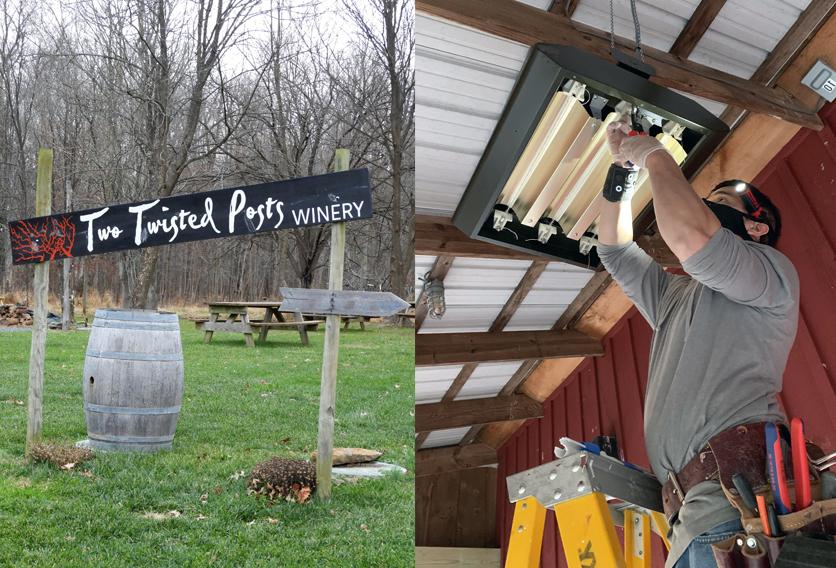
point(500, 219)
point(585, 244)
point(545, 231)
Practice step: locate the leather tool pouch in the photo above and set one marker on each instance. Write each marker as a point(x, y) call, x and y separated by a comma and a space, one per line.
point(752, 548)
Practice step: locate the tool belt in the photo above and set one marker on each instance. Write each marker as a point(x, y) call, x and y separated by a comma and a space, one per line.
point(739, 449)
point(742, 449)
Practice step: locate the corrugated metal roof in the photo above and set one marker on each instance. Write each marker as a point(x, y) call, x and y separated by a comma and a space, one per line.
point(488, 379)
point(440, 438)
point(476, 290)
point(463, 79)
point(660, 22)
point(744, 33)
point(556, 288)
point(432, 382)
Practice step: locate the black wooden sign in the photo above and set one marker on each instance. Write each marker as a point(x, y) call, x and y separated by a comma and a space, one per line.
point(316, 200)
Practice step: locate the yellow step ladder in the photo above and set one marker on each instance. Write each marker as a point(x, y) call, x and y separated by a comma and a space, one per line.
point(590, 494)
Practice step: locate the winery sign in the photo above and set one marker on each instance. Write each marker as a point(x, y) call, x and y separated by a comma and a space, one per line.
point(330, 198)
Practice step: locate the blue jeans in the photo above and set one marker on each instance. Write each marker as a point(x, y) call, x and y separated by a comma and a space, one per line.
point(698, 554)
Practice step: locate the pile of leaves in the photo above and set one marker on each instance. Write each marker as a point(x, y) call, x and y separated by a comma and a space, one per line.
point(64, 456)
point(281, 478)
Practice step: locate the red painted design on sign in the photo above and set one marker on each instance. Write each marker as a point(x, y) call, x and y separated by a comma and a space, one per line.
point(44, 239)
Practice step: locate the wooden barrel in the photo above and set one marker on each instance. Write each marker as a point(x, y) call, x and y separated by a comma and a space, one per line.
point(133, 380)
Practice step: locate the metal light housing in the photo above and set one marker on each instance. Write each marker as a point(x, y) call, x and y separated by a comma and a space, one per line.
point(537, 186)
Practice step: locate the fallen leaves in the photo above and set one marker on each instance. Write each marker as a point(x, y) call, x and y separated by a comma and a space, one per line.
point(364, 527)
point(272, 521)
point(217, 490)
point(68, 466)
point(237, 475)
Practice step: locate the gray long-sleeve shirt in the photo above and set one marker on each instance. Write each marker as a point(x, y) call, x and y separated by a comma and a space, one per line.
point(721, 338)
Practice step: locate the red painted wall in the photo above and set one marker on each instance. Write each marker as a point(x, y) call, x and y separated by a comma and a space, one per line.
point(605, 394)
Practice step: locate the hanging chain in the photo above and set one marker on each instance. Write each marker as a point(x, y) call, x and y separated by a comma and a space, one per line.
point(637, 28)
point(612, 30)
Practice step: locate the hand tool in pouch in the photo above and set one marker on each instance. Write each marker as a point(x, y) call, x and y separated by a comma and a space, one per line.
point(775, 464)
point(800, 467)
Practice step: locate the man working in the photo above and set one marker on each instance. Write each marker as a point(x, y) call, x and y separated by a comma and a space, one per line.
point(721, 335)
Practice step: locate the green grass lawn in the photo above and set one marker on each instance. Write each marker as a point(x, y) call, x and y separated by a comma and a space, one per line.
point(241, 406)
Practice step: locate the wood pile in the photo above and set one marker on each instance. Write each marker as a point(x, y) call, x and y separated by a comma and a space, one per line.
point(11, 314)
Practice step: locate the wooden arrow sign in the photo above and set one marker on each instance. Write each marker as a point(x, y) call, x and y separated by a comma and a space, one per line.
point(341, 303)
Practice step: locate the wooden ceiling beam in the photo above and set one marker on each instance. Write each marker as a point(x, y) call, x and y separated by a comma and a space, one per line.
point(456, 348)
point(794, 41)
point(469, 412)
point(439, 271)
point(522, 23)
point(438, 236)
point(441, 460)
point(696, 27)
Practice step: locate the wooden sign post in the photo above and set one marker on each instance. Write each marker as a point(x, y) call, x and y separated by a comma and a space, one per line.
point(328, 382)
point(334, 303)
point(43, 207)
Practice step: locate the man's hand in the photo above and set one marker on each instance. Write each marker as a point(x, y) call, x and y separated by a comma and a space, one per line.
point(633, 149)
point(617, 131)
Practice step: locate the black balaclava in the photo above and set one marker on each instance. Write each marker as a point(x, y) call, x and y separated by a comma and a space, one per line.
point(730, 218)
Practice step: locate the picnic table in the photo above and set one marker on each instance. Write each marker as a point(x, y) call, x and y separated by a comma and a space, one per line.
point(408, 314)
point(238, 321)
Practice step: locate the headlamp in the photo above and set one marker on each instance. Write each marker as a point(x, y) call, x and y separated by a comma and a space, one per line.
point(744, 190)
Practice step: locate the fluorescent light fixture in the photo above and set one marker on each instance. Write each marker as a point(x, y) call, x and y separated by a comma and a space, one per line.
point(537, 187)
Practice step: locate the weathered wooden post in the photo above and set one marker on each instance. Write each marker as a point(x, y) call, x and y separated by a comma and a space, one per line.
point(328, 383)
point(43, 207)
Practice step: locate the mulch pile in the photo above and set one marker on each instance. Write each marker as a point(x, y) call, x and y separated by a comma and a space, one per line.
point(280, 478)
point(59, 455)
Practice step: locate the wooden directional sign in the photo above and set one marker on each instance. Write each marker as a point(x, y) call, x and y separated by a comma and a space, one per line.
point(316, 200)
point(341, 303)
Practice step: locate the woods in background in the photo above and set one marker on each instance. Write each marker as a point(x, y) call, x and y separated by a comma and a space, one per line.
point(147, 98)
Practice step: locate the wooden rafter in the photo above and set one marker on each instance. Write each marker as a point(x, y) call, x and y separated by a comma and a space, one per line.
point(796, 38)
point(441, 460)
point(460, 413)
point(456, 348)
point(564, 7)
point(696, 27)
point(439, 271)
point(522, 23)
